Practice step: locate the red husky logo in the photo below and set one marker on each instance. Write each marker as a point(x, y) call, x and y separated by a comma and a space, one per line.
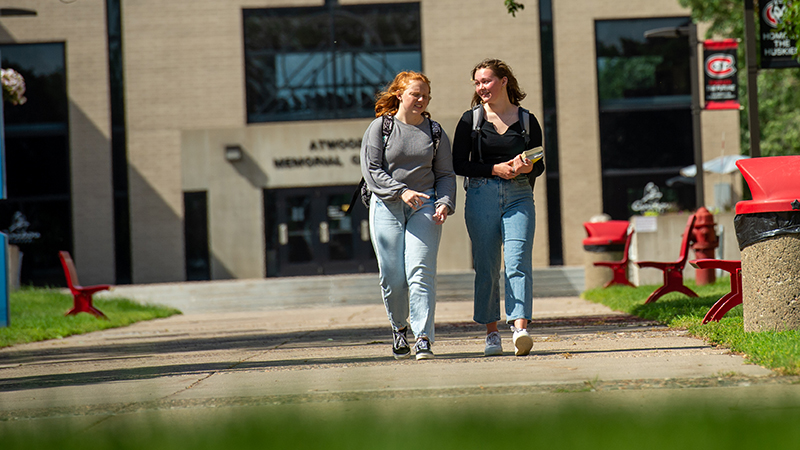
point(720, 65)
point(773, 13)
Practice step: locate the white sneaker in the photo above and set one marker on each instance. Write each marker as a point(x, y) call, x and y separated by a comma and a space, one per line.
point(494, 346)
point(523, 342)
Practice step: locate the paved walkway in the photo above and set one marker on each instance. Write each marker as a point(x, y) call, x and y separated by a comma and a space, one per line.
point(324, 354)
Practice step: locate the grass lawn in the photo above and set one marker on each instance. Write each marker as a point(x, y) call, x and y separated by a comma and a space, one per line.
point(779, 351)
point(38, 314)
point(353, 425)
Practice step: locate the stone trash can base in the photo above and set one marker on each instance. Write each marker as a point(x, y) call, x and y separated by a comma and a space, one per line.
point(598, 276)
point(771, 284)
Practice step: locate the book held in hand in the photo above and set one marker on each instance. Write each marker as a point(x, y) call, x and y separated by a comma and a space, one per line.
point(534, 154)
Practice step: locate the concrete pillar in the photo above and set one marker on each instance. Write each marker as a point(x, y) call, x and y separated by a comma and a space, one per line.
point(14, 265)
point(598, 276)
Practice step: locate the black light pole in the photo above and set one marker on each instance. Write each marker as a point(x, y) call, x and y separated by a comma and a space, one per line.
point(699, 185)
point(691, 32)
point(752, 74)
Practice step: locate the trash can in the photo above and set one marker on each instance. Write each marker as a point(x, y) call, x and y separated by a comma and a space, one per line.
point(768, 232)
point(605, 241)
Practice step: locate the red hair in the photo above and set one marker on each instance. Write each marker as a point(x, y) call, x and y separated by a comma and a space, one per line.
point(387, 101)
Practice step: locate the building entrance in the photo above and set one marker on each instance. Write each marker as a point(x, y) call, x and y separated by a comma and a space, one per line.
point(309, 233)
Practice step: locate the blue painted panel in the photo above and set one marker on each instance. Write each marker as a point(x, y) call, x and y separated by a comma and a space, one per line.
point(5, 320)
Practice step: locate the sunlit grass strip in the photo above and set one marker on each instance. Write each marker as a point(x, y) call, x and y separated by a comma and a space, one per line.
point(38, 314)
point(779, 351)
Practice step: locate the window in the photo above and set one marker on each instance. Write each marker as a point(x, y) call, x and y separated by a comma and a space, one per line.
point(638, 73)
point(326, 62)
point(644, 99)
point(37, 161)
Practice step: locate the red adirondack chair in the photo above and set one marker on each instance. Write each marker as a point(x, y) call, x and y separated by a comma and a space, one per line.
point(732, 298)
point(82, 295)
point(673, 271)
point(619, 268)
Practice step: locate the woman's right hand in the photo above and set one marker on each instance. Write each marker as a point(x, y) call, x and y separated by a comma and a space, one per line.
point(504, 170)
point(413, 199)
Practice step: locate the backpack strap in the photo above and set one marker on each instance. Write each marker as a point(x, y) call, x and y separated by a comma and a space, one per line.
point(362, 191)
point(386, 128)
point(538, 166)
point(525, 121)
point(436, 135)
point(477, 118)
point(477, 123)
point(387, 125)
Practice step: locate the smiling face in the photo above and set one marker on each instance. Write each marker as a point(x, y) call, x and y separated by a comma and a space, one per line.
point(488, 86)
point(414, 99)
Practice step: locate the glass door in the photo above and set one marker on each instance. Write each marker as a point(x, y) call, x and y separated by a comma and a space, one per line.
point(309, 232)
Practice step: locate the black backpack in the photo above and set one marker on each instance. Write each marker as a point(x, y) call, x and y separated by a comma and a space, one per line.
point(386, 129)
point(524, 119)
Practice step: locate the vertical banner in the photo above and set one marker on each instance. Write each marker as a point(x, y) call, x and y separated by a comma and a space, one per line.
point(719, 70)
point(777, 51)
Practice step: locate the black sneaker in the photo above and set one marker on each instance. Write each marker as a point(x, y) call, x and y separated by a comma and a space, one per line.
point(423, 348)
point(400, 345)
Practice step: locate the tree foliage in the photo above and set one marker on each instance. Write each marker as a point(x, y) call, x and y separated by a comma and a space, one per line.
point(778, 89)
point(790, 22)
point(513, 7)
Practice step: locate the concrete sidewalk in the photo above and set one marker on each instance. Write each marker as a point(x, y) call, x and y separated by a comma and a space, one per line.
point(322, 354)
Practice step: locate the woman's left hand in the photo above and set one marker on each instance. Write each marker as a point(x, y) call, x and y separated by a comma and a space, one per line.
point(522, 164)
point(440, 215)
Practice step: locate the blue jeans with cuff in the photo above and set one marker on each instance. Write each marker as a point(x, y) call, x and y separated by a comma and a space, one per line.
point(501, 217)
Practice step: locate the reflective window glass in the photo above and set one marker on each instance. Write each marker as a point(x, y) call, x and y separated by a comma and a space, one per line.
point(326, 62)
point(42, 67)
point(37, 161)
point(638, 72)
point(644, 100)
point(300, 231)
point(341, 228)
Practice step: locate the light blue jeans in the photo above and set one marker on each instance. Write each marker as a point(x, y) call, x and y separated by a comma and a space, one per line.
point(501, 216)
point(406, 243)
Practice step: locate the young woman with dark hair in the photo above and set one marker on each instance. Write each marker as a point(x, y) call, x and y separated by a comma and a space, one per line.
point(499, 210)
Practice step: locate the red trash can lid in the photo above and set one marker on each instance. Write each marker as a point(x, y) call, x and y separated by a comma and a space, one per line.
point(774, 182)
point(605, 233)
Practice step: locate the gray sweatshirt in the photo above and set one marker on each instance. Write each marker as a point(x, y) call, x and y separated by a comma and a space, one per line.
point(408, 162)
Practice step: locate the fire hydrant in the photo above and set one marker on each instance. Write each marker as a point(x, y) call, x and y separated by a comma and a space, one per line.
point(705, 241)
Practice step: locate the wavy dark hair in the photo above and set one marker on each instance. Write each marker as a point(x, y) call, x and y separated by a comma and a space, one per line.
point(500, 69)
point(387, 102)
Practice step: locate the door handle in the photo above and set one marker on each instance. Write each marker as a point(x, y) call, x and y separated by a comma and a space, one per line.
point(324, 233)
point(283, 234)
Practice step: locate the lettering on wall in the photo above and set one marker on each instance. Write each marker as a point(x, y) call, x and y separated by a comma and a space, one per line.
point(335, 144)
point(291, 163)
point(320, 156)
